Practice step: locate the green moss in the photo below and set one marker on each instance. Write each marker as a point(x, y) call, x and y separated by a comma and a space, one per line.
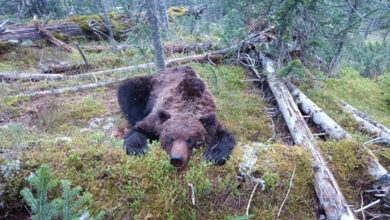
point(367, 95)
point(60, 117)
point(348, 161)
point(239, 105)
point(6, 47)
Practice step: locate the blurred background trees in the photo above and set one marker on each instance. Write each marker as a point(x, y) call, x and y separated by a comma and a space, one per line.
point(328, 33)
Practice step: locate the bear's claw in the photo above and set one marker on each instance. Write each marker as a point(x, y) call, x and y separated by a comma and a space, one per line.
point(135, 143)
point(216, 155)
point(136, 150)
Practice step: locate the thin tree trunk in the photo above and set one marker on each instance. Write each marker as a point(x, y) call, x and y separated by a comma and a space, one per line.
point(367, 32)
point(106, 19)
point(162, 8)
point(153, 23)
point(328, 192)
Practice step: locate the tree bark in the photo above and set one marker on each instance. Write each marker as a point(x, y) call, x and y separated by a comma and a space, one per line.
point(366, 117)
point(162, 8)
point(106, 19)
point(369, 125)
point(52, 39)
point(158, 49)
point(317, 114)
point(328, 192)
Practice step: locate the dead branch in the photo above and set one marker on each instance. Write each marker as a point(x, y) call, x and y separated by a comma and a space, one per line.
point(52, 39)
point(326, 187)
point(251, 197)
point(368, 206)
point(192, 193)
point(288, 191)
point(82, 54)
point(2, 28)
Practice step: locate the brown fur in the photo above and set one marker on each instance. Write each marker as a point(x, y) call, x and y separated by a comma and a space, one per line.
point(180, 111)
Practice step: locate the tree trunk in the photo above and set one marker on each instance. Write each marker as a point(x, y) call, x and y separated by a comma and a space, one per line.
point(153, 23)
point(328, 192)
point(367, 32)
point(106, 19)
point(162, 8)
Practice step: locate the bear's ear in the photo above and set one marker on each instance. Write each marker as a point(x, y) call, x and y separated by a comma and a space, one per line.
point(163, 115)
point(208, 120)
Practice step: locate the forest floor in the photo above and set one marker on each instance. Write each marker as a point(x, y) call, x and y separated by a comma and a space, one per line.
point(73, 133)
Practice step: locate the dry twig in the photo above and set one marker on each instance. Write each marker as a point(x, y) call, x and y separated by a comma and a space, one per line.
point(288, 191)
point(192, 193)
point(251, 197)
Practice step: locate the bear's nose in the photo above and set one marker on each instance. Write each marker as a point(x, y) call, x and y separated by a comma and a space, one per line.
point(177, 161)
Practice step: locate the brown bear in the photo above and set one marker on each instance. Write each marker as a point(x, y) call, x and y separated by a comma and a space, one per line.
point(175, 107)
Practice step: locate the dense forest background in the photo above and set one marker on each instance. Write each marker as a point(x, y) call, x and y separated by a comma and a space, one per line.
point(303, 85)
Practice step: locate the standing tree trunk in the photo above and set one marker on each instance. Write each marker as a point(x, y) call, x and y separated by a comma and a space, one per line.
point(106, 19)
point(153, 23)
point(162, 8)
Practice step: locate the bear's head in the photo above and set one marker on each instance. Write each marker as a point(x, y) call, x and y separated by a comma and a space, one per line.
point(181, 133)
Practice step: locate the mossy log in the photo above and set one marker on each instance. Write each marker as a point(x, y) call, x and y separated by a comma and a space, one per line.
point(91, 26)
point(30, 32)
point(331, 127)
point(328, 192)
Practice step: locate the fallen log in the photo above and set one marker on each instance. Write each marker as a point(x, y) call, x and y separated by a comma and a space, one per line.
point(366, 117)
point(328, 192)
point(197, 58)
point(331, 127)
point(382, 136)
point(29, 32)
point(69, 89)
point(169, 49)
point(317, 114)
point(30, 76)
point(99, 48)
point(52, 39)
point(208, 57)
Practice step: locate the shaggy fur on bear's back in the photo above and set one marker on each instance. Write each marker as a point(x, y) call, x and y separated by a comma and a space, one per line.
point(176, 107)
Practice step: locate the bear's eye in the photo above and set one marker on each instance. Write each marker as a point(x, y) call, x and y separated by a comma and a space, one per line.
point(190, 142)
point(170, 139)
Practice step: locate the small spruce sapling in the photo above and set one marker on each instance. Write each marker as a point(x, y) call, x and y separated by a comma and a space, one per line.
point(41, 208)
point(73, 204)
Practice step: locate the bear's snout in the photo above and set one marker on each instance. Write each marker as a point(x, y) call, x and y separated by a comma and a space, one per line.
point(179, 154)
point(177, 161)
